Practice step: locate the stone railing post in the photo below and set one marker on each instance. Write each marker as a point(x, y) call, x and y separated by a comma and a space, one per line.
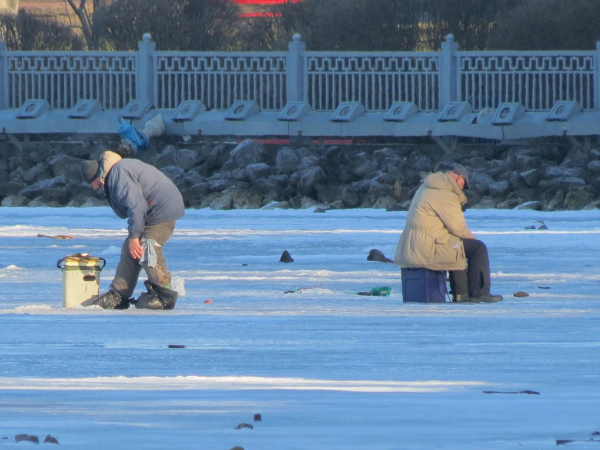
point(295, 70)
point(3, 77)
point(597, 78)
point(448, 72)
point(145, 70)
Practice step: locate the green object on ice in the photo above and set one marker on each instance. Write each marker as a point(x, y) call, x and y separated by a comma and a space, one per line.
point(381, 291)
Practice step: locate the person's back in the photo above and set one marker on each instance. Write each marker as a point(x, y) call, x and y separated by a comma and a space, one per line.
point(434, 225)
point(164, 200)
point(436, 237)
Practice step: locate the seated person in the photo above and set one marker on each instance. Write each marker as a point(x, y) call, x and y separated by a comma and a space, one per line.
point(436, 237)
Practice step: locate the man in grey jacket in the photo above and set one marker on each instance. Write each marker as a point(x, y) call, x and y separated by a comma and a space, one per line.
point(152, 203)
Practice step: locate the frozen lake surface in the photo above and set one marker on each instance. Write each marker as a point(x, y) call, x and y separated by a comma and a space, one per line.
point(326, 368)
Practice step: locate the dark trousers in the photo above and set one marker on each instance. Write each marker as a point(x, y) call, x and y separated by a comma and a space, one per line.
point(128, 270)
point(475, 281)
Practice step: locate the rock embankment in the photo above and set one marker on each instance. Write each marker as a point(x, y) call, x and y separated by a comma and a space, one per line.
point(250, 175)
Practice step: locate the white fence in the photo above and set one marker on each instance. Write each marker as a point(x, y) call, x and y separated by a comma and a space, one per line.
point(323, 79)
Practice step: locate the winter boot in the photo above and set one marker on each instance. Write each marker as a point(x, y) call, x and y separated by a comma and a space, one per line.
point(110, 300)
point(157, 297)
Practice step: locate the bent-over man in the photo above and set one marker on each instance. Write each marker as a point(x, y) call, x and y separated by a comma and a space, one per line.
point(152, 203)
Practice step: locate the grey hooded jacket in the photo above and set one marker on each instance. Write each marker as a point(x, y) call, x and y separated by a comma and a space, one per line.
point(142, 194)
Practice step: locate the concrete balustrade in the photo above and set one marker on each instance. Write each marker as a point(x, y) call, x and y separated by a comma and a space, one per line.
point(499, 95)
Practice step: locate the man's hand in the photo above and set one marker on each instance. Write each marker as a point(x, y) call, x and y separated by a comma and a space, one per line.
point(135, 248)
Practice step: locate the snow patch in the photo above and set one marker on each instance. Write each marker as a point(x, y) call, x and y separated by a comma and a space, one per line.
point(235, 383)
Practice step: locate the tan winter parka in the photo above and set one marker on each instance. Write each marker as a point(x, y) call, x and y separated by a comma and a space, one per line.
point(435, 225)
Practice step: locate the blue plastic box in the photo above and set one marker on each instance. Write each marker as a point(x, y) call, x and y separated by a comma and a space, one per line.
point(424, 286)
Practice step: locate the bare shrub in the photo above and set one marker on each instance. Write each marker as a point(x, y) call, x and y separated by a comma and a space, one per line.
point(549, 25)
point(470, 21)
point(25, 31)
point(173, 24)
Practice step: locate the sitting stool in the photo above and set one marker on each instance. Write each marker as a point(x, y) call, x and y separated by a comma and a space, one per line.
point(424, 286)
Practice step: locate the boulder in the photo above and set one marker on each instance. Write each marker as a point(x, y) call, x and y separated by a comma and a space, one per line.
point(485, 203)
point(350, 196)
point(511, 202)
point(556, 203)
point(45, 187)
point(19, 162)
point(86, 202)
point(563, 183)
point(338, 204)
point(202, 154)
point(246, 199)
point(248, 152)
point(39, 202)
point(308, 162)
point(192, 178)
point(26, 437)
point(476, 162)
point(308, 179)
point(37, 152)
point(578, 156)
point(276, 205)
point(186, 159)
point(168, 157)
point(287, 161)
point(174, 173)
point(577, 199)
point(12, 187)
point(301, 202)
point(217, 157)
point(241, 174)
point(14, 200)
point(377, 255)
point(498, 188)
point(222, 185)
point(365, 169)
point(50, 440)
point(388, 203)
point(531, 177)
point(41, 171)
point(532, 205)
point(18, 173)
point(419, 163)
point(562, 172)
point(259, 170)
point(516, 181)
point(65, 165)
point(345, 174)
point(526, 162)
point(594, 167)
point(480, 182)
point(217, 201)
point(286, 257)
point(196, 191)
point(385, 154)
point(326, 193)
point(378, 190)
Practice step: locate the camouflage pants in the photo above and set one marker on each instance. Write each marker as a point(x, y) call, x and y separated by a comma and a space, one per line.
point(128, 270)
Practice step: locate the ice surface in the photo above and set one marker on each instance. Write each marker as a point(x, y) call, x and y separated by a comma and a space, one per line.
point(326, 368)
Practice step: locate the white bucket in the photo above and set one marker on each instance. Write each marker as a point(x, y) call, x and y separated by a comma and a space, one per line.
point(81, 278)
